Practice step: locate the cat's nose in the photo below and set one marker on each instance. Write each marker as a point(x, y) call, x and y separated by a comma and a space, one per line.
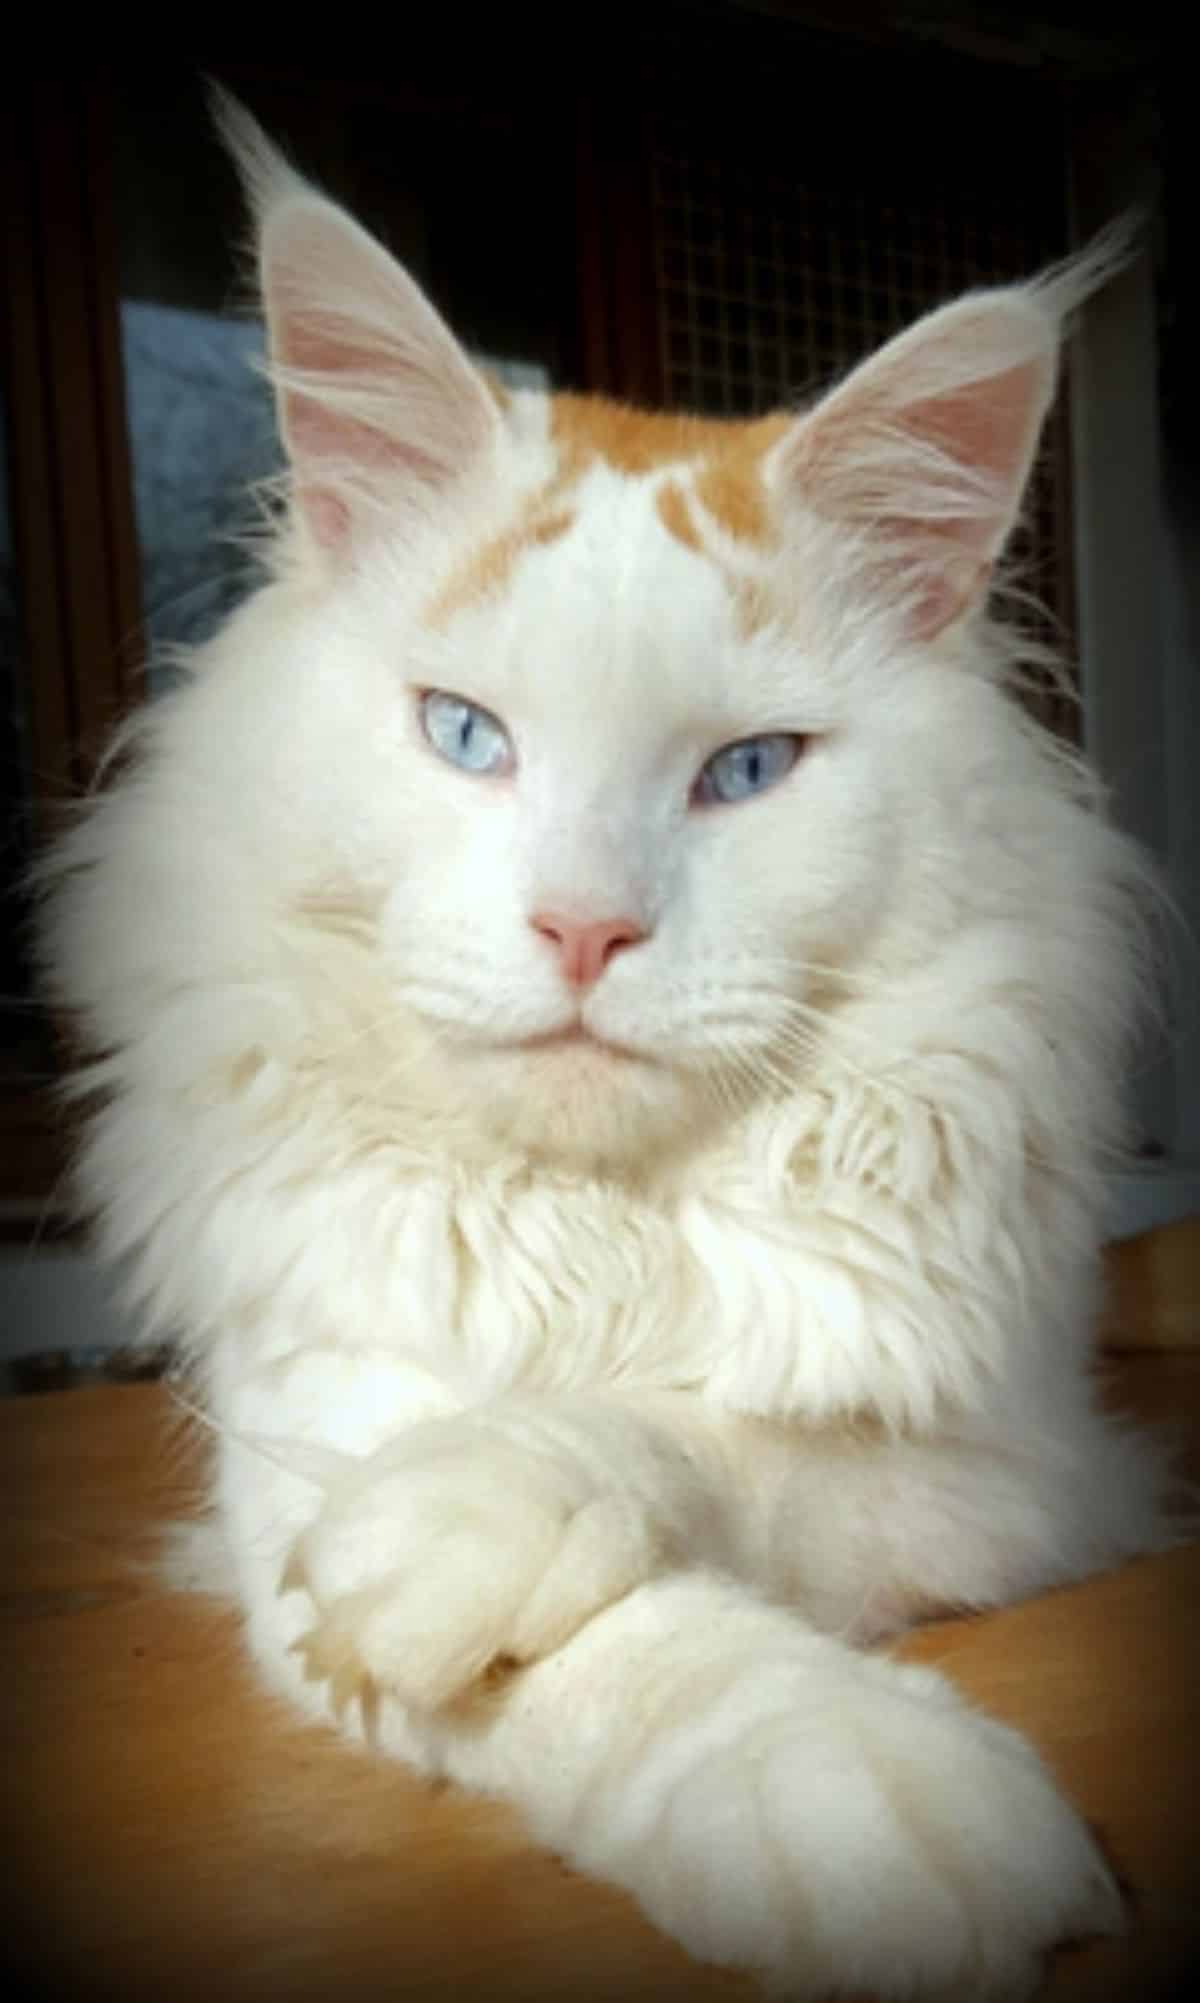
point(585, 950)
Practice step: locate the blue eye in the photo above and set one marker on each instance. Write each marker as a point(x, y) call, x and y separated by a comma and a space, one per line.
point(464, 734)
point(750, 766)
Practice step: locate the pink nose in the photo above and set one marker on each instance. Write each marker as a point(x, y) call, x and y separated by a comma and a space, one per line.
point(585, 950)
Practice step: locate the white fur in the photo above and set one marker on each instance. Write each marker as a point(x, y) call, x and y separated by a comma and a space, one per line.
point(539, 1354)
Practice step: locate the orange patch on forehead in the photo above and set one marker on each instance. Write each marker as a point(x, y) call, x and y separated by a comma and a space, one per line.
point(487, 569)
point(633, 441)
point(637, 441)
point(735, 497)
point(723, 457)
point(676, 517)
point(753, 607)
point(726, 455)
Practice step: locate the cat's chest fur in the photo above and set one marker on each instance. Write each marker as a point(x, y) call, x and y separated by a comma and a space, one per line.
point(774, 1270)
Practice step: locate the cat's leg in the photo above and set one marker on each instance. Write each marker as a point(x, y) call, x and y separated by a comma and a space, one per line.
point(489, 1537)
point(777, 1801)
point(773, 1798)
point(456, 1538)
point(290, 1432)
point(869, 1535)
point(384, 1537)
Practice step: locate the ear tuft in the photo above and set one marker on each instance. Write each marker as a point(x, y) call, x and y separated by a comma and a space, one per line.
point(923, 454)
point(267, 177)
point(380, 410)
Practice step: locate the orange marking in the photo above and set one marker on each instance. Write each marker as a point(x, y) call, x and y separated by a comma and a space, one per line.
point(726, 454)
point(725, 458)
point(636, 441)
point(487, 569)
point(734, 496)
point(676, 516)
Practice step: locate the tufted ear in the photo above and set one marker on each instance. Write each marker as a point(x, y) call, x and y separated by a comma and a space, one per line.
point(923, 453)
point(379, 407)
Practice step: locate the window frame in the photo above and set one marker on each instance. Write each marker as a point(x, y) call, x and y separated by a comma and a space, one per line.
point(75, 544)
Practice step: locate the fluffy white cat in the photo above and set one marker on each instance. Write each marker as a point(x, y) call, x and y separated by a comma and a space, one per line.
point(607, 1022)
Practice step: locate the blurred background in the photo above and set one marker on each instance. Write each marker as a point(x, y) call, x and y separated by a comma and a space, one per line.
point(717, 204)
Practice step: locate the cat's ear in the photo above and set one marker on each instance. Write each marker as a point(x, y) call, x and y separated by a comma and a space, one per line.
point(922, 455)
point(379, 407)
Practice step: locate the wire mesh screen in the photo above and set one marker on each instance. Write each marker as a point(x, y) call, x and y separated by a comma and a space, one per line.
point(782, 260)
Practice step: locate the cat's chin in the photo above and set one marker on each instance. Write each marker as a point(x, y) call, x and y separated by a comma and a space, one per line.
point(583, 1098)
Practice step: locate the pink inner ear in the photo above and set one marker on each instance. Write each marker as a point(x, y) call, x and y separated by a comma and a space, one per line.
point(942, 594)
point(989, 429)
point(986, 426)
point(327, 515)
point(378, 404)
point(320, 441)
point(324, 441)
point(934, 481)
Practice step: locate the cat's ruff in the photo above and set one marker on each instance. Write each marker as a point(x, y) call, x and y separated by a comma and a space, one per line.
point(624, 1145)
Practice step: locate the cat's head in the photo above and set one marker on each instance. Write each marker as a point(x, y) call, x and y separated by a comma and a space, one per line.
point(640, 736)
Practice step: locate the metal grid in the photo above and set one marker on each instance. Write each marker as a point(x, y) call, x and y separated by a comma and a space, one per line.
point(771, 285)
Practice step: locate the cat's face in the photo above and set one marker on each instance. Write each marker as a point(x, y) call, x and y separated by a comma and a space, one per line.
point(641, 833)
point(628, 726)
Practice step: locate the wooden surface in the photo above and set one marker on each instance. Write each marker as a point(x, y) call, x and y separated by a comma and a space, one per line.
point(170, 1833)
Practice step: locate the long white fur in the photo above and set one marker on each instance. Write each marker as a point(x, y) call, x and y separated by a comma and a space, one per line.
point(530, 1354)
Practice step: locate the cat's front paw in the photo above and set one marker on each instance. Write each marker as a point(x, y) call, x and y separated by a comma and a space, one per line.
point(878, 1839)
point(457, 1550)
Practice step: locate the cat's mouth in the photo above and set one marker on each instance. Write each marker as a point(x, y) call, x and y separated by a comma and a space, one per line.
point(577, 1037)
point(577, 1092)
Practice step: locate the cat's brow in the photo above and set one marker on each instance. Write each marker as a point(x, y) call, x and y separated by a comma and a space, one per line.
point(719, 459)
point(724, 456)
point(486, 569)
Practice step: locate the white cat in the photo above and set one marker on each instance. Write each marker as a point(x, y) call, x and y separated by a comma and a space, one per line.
point(607, 1023)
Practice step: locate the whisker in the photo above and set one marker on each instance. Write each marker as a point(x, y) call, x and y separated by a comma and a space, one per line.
point(251, 1444)
point(755, 1033)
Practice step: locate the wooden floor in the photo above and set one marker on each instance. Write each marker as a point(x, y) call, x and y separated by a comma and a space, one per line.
point(169, 1834)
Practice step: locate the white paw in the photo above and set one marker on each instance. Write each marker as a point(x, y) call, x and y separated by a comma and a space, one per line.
point(454, 1551)
point(869, 1835)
